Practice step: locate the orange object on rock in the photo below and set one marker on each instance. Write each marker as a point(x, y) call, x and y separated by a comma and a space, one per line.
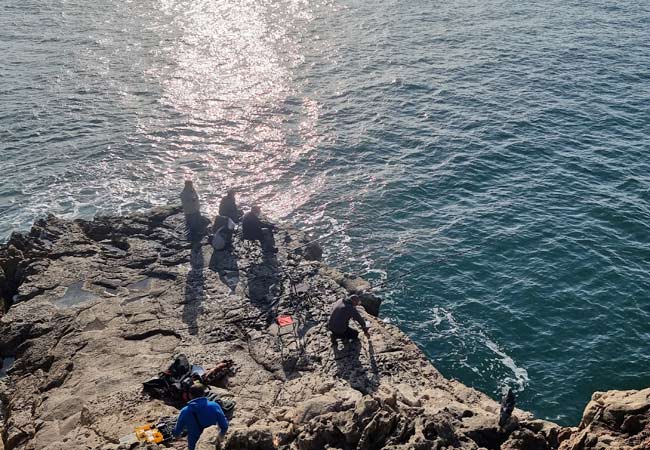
point(285, 320)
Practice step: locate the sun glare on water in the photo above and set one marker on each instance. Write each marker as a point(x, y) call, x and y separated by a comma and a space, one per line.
point(226, 70)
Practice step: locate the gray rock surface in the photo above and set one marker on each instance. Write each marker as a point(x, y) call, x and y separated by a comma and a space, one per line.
point(101, 306)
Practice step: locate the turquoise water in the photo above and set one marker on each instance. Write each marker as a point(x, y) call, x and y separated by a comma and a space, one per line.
point(503, 143)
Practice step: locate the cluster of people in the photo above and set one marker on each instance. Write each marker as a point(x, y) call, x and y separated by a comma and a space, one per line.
point(253, 227)
point(199, 412)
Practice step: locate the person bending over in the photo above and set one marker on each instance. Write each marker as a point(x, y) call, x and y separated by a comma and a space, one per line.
point(199, 414)
point(256, 229)
point(228, 207)
point(342, 312)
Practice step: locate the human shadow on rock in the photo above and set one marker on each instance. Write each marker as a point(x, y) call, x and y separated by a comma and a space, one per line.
point(225, 263)
point(264, 283)
point(349, 366)
point(194, 289)
point(294, 351)
point(373, 374)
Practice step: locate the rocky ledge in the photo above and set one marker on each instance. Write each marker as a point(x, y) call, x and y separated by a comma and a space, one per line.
point(100, 306)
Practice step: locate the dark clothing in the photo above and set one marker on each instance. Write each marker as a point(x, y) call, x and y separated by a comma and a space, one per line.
point(342, 312)
point(268, 241)
point(222, 239)
point(222, 230)
point(198, 415)
point(193, 226)
point(252, 226)
point(190, 200)
point(219, 221)
point(349, 334)
point(228, 208)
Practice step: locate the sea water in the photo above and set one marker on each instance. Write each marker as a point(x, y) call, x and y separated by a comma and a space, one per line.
point(486, 162)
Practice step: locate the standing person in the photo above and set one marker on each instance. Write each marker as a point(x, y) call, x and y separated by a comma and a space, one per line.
point(256, 229)
point(192, 210)
point(199, 414)
point(342, 312)
point(228, 207)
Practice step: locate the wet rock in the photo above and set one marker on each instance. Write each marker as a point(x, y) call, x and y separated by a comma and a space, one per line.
point(313, 252)
point(355, 285)
point(371, 303)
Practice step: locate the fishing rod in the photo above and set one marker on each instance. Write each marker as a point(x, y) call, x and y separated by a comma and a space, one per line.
point(268, 308)
point(364, 221)
point(416, 269)
point(347, 227)
point(393, 248)
point(425, 265)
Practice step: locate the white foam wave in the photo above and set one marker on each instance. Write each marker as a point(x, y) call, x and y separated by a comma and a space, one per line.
point(446, 327)
point(441, 315)
point(520, 374)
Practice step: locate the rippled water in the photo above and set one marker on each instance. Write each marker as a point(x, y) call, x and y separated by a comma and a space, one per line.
point(503, 143)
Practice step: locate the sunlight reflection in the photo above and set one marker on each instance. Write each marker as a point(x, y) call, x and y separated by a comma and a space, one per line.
point(227, 69)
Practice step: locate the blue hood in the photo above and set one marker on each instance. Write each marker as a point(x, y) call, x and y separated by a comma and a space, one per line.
point(197, 403)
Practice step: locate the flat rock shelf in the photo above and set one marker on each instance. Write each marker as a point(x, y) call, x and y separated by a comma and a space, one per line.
point(91, 309)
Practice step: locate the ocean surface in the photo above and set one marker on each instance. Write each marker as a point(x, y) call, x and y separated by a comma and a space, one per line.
point(487, 163)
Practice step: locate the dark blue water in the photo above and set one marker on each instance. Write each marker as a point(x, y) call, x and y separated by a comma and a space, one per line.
point(502, 143)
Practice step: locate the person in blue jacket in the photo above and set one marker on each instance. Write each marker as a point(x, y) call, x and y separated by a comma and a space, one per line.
point(199, 414)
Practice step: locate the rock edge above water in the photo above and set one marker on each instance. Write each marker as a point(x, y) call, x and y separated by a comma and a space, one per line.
point(100, 306)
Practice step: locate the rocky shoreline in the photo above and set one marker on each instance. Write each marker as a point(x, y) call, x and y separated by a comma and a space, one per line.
point(100, 306)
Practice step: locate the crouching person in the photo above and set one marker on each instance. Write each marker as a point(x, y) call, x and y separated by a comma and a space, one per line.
point(342, 311)
point(199, 414)
point(222, 233)
point(256, 229)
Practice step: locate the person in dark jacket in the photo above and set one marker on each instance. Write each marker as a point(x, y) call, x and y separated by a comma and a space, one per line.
point(228, 207)
point(192, 209)
point(342, 312)
point(256, 229)
point(222, 230)
point(199, 414)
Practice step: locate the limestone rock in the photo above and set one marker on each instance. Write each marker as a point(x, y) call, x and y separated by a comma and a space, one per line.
point(525, 439)
point(256, 438)
point(549, 430)
point(613, 420)
point(103, 305)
